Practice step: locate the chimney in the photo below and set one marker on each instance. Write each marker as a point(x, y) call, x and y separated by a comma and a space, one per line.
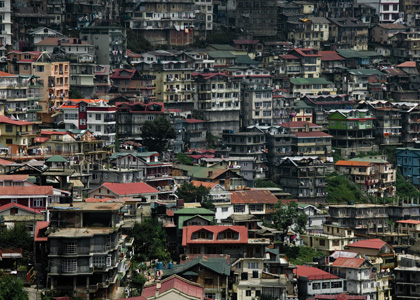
point(210, 173)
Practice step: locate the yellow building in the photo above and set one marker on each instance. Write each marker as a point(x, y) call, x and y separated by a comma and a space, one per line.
point(300, 63)
point(314, 86)
point(16, 135)
point(311, 32)
point(56, 78)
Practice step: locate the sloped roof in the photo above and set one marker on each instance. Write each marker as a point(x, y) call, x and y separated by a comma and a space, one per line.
point(365, 72)
point(246, 42)
point(208, 185)
point(4, 74)
point(313, 273)
point(14, 177)
point(330, 55)
point(12, 205)
point(56, 158)
point(253, 196)
point(369, 244)
point(302, 80)
point(413, 222)
point(350, 163)
point(299, 124)
point(26, 190)
point(40, 225)
point(4, 119)
point(132, 188)
point(53, 41)
point(215, 264)
point(407, 64)
point(348, 262)
point(311, 134)
point(178, 283)
point(194, 211)
point(188, 231)
point(5, 162)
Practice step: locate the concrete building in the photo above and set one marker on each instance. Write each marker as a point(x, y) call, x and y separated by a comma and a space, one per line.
point(5, 26)
point(407, 280)
point(332, 238)
point(110, 43)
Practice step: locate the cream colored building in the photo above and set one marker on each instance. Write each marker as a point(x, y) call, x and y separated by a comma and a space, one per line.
point(333, 238)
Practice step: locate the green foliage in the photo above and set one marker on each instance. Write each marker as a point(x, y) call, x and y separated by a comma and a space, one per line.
point(190, 193)
point(207, 204)
point(149, 240)
point(265, 183)
point(336, 155)
point(75, 94)
point(300, 255)
point(16, 237)
point(137, 43)
point(340, 189)
point(289, 216)
point(184, 159)
point(11, 288)
point(405, 188)
point(138, 280)
point(212, 141)
point(156, 134)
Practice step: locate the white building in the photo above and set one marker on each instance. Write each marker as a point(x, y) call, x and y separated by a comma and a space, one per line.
point(5, 25)
point(67, 45)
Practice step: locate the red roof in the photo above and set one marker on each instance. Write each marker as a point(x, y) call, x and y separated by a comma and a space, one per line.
point(40, 225)
point(407, 64)
point(348, 262)
point(299, 124)
point(20, 206)
point(132, 54)
point(313, 273)
point(26, 190)
point(170, 213)
point(253, 196)
point(311, 134)
point(132, 188)
point(14, 177)
point(370, 244)
point(342, 296)
point(208, 185)
point(288, 56)
point(4, 119)
point(54, 41)
point(4, 74)
point(414, 222)
point(303, 52)
point(5, 162)
point(193, 121)
point(96, 200)
point(41, 139)
point(352, 163)
point(116, 74)
point(330, 55)
point(215, 229)
point(54, 132)
point(177, 283)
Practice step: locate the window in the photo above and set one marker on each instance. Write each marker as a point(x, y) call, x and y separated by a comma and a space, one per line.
point(9, 141)
point(225, 209)
point(108, 261)
point(70, 248)
point(336, 243)
point(325, 285)
point(1, 3)
point(70, 265)
point(13, 211)
point(208, 280)
point(40, 69)
point(336, 284)
point(253, 265)
point(322, 242)
point(9, 128)
point(239, 208)
point(38, 202)
point(98, 117)
point(248, 293)
point(98, 128)
point(316, 286)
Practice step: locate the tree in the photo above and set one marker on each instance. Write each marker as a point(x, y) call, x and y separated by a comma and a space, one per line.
point(190, 193)
point(11, 288)
point(137, 43)
point(184, 159)
point(264, 183)
point(16, 237)
point(149, 240)
point(289, 217)
point(75, 94)
point(156, 134)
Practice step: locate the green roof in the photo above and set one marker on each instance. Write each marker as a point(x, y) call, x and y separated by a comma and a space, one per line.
point(349, 53)
point(221, 54)
point(134, 153)
point(220, 47)
point(194, 211)
point(369, 159)
point(365, 72)
point(302, 104)
point(56, 158)
point(245, 60)
point(301, 80)
point(201, 172)
point(216, 264)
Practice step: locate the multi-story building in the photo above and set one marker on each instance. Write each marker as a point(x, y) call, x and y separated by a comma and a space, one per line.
point(374, 175)
point(388, 10)
point(407, 280)
point(132, 115)
point(258, 20)
point(65, 45)
point(102, 81)
point(408, 161)
point(218, 101)
point(110, 43)
point(323, 103)
point(92, 114)
point(130, 81)
point(85, 249)
point(348, 33)
point(257, 105)
point(315, 143)
point(352, 129)
point(82, 75)
point(314, 86)
point(332, 238)
point(313, 281)
point(311, 32)
point(56, 77)
point(6, 26)
point(164, 24)
point(16, 135)
point(203, 18)
point(303, 177)
point(382, 32)
point(304, 63)
point(255, 202)
point(20, 63)
point(364, 84)
point(21, 94)
point(404, 46)
point(360, 217)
